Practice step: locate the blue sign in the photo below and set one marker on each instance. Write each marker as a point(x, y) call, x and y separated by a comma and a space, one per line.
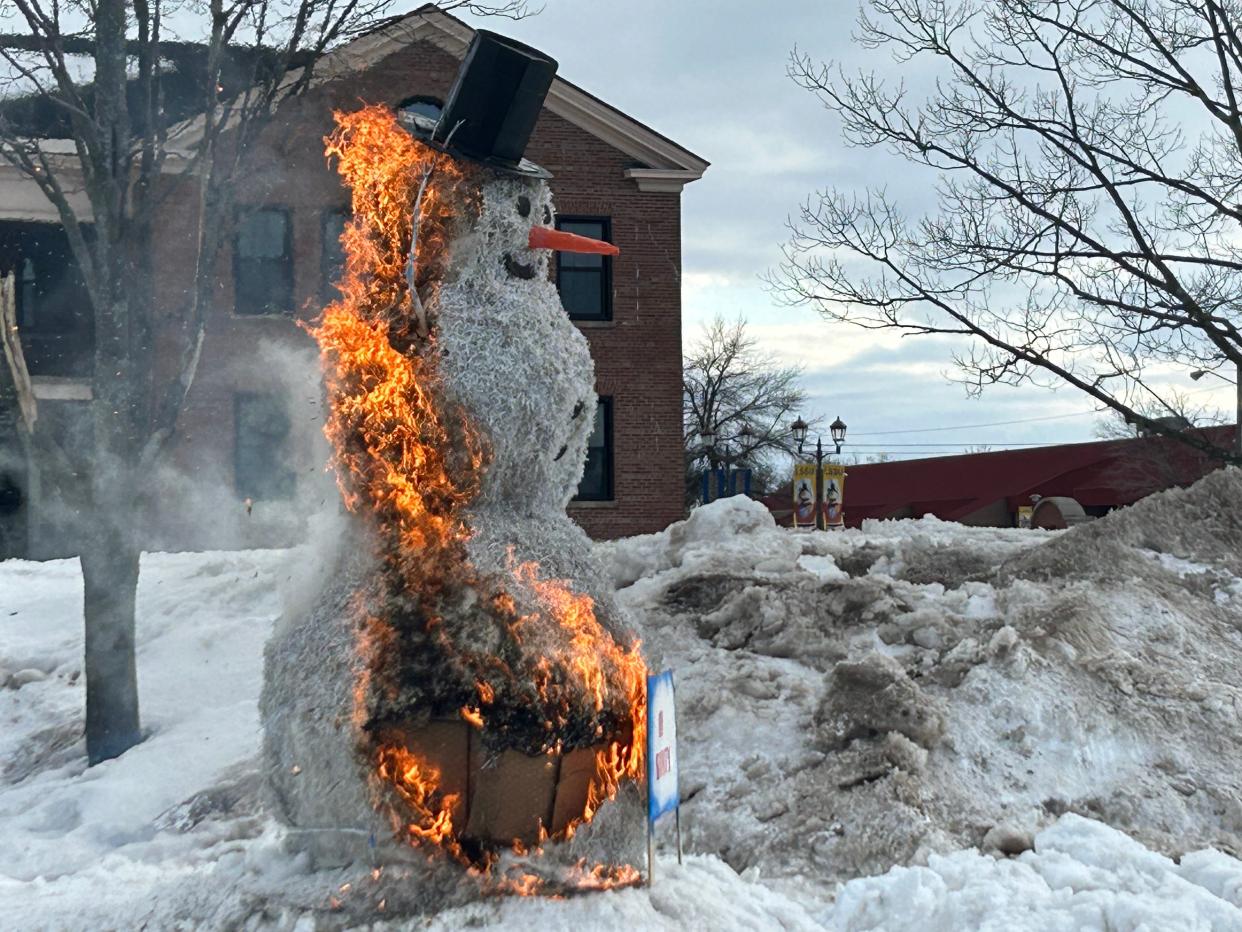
point(662, 791)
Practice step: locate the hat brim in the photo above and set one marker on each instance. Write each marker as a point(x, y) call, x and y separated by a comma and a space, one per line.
point(423, 129)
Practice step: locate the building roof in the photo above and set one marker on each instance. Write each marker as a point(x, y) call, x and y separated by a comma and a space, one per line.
point(661, 163)
point(37, 116)
point(1100, 474)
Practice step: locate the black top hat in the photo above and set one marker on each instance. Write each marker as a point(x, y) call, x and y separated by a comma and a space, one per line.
point(492, 108)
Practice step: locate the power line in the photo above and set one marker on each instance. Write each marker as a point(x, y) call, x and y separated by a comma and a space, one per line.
point(929, 454)
point(1025, 420)
point(971, 443)
point(928, 430)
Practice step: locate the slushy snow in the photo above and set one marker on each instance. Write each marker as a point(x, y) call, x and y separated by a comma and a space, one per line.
point(867, 720)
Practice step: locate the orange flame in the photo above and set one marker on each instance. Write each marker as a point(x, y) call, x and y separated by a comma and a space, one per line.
point(413, 463)
point(417, 784)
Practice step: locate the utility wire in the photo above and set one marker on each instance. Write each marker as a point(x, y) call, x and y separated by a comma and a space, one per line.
point(972, 443)
point(929, 430)
point(1025, 420)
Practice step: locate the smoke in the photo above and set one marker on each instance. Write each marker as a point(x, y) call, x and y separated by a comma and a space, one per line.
point(191, 498)
point(199, 503)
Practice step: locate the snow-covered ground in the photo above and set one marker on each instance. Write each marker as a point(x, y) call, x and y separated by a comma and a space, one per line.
point(865, 718)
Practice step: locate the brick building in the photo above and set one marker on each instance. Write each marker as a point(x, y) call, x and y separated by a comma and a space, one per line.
point(249, 428)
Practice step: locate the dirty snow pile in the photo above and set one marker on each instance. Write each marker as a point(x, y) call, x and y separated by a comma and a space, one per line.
point(856, 700)
point(868, 721)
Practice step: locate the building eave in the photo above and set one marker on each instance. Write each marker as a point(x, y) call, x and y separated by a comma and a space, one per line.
point(662, 180)
point(565, 99)
point(21, 198)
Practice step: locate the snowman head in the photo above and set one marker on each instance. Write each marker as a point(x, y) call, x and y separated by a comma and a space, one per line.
point(507, 350)
point(513, 236)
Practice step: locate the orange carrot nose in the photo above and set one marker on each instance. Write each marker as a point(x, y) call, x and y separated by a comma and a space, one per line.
point(547, 238)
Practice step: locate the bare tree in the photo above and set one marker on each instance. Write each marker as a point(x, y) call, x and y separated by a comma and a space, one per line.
point(1087, 161)
point(740, 397)
point(1179, 409)
point(1151, 463)
point(101, 67)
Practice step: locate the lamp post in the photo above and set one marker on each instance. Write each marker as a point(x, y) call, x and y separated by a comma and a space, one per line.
point(837, 431)
point(1237, 430)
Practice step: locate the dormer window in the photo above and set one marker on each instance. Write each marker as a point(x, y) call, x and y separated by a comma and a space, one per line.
point(422, 105)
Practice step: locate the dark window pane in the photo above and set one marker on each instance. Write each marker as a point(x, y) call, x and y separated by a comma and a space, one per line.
point(585, 281)
point(581, 293)
point(27, 296)
point(261, 234)
point(50, 296)
point(596, 484)
point(53, 309)
point(261, 469)
point(580, 260)
point(263, 263)
point(333, 253)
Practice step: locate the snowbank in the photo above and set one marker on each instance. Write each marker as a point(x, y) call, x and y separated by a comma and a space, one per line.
point(1084, 876)
point(855, 700)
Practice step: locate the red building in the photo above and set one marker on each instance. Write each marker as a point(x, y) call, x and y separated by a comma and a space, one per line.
point(249, 429)
point(987, 489)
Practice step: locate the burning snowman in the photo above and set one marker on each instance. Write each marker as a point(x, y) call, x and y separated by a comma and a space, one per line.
point(464, 681)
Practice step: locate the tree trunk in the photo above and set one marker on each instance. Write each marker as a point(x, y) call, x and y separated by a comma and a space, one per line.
point(110, 573)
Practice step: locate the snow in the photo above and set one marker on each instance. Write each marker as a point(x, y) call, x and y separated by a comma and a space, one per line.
point(1085, 876)
point(856, 700)
point(202, 622)
point(1076, 687)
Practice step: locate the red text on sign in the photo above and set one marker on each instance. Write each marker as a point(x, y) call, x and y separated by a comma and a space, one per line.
point(663, 762)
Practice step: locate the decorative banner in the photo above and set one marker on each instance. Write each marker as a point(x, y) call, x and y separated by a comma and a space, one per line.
point(1026, 514)
point(662, 793)
point(804, 495)
point(834, 495)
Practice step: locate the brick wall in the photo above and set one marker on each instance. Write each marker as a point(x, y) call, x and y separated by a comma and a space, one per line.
point(637, 354)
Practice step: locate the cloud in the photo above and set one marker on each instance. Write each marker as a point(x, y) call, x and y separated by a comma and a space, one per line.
point(714, 79)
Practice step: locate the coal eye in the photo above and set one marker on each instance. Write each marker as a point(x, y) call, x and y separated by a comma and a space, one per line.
point(524, 205)
point(547, 215)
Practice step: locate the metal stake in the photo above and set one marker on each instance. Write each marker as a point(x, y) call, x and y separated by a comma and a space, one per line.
point(650, 852)
point(677, 816)
point(647, 814)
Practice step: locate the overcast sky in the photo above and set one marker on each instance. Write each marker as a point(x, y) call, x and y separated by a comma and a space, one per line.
point(712, 75)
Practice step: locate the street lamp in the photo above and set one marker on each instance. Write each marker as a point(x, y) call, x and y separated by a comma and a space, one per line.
point(799, 428)
point(837, 431)
point(1237, 429)
point(1200, 373)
